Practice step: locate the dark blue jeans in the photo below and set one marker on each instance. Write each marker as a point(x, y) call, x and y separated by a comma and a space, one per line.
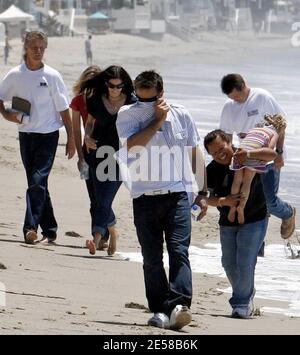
point(154, 217)
point(92, 194)
point(104, 192)
point(38, 154)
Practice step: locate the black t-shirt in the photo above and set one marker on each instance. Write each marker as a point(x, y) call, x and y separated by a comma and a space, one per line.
point(219, 180)
point(105, 130)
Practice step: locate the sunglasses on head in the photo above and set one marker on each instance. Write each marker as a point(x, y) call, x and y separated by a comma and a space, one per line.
point(113, 86)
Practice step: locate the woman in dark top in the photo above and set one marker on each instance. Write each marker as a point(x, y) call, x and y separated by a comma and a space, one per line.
point(112, 89)
point(79, 118)
point(240, 242)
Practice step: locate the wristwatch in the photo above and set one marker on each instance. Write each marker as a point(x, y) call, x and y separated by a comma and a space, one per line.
point(204, 193)
point(279, 151)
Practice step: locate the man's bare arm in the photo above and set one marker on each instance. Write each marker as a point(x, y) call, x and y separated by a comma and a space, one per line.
point(70, 146)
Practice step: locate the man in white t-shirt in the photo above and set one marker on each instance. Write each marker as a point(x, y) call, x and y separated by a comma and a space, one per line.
point(245, 108)
point(45, 94)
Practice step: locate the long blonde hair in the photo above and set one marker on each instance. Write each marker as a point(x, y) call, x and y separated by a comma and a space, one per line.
point(89, 73)
point(277, 121)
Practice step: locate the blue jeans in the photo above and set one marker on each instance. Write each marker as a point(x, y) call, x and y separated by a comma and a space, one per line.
point(155, 216)
point(92, 195)
point(276, 206)
point(240, 246)
point(38, 154)
point(103, 215)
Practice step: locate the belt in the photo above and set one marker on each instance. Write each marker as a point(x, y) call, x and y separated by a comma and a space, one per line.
point(158, 192)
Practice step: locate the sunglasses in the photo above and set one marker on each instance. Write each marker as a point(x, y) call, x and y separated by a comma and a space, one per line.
point(113, 86)
point(150, 99)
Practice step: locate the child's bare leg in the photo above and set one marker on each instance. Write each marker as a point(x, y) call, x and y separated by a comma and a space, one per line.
point(235, 189)
point(245, 191)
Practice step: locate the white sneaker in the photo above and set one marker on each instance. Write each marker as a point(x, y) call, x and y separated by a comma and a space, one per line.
point(180, 317)
point(159, 320)
point(242, 312)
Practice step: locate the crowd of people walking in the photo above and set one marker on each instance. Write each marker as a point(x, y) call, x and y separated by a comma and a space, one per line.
point(132, 134)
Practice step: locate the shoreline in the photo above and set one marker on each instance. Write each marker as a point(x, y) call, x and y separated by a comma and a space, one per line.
point(61, 289)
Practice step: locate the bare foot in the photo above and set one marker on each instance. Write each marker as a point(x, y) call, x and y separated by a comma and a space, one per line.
point(103, 245)
point(231, 214)
point(241, 217)
point(112, 248)
point(91, 246)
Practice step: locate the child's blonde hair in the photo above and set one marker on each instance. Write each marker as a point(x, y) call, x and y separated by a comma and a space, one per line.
point(88, 74)
point(277, 121)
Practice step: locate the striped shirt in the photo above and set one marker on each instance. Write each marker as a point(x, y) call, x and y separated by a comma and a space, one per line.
point(256, 138)
point(163, 163)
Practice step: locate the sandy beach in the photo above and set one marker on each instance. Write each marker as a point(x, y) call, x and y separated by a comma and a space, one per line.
point(61, 289)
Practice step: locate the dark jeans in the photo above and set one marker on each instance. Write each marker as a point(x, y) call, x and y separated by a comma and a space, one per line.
point(38, 153)
point(155, 216)
point(92, 194)
point(102, 195)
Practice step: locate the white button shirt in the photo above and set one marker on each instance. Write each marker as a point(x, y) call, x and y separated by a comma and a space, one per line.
point(163, 164)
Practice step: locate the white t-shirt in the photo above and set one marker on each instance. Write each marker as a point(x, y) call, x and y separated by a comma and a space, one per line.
point(240, 117)
point(46, 92)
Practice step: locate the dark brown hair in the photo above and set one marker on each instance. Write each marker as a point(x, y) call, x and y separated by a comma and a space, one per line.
point(231, 82)
point(149, 80)
point(98, 83)
point(212, 136)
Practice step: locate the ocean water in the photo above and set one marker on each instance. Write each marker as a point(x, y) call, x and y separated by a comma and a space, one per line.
point(277, 277)
point(197, 87)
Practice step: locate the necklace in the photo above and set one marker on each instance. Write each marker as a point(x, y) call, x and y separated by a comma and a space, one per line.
point(115, 105)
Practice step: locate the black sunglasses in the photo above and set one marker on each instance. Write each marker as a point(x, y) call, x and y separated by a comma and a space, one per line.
point(113, 86)
point(150, 99)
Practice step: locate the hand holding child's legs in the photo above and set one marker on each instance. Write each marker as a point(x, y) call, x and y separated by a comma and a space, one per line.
point(248, 176)
point(235, 189)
